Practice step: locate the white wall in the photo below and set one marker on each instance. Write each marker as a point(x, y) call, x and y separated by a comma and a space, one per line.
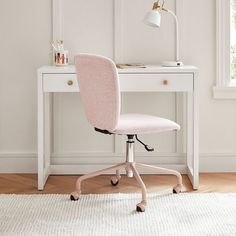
point(88, 26)
point(25, 32)
point(217, 117)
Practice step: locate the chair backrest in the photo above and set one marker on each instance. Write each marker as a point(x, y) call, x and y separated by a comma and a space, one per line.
point(99, 88)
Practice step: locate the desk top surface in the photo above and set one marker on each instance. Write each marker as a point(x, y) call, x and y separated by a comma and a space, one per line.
point(149, 69)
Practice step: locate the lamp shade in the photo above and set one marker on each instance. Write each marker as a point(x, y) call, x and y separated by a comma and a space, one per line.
point(153, 18)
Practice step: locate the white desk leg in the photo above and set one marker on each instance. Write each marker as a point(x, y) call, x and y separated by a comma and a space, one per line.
point(193, 137)
point(195, 134)
point(47, 134)
point(40, 133)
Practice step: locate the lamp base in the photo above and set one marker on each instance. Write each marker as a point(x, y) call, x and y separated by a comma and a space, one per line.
point(172, 63)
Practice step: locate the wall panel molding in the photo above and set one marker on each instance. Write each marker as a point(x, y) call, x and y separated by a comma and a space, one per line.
point(119, 57)
point(119, 31)
point(118, 39)
point(118, 25)
point(56, 20)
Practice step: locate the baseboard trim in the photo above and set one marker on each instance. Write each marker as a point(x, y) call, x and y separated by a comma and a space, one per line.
point(217, 162)
point(74, 163)
point(18, 162)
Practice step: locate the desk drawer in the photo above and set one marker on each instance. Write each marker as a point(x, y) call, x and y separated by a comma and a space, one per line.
point(60, 83)
point(128, 82)
point(156, 82)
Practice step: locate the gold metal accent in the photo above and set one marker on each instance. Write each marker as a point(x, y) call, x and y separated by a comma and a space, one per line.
point(70, 82)
point(157, 6)
point(165, 82)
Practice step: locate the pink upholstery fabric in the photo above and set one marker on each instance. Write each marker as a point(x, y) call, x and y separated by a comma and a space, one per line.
point(143, 124)
point(99, 87)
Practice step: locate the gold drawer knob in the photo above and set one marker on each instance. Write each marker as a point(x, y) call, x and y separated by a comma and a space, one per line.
point(70, 82)
point(165, 82)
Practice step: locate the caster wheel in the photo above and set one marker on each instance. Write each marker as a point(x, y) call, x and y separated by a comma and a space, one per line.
point(177, 189)
point(114, 183)
point(140, 207)
point(74, 196)
point(174, 191)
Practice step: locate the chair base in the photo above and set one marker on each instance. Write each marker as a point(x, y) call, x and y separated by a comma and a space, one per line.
point(129, 166)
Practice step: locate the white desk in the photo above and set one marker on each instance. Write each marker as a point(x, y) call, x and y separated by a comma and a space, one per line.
point(151, 79)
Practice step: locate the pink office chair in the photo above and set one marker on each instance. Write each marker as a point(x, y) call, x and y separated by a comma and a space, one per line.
point(100, 92)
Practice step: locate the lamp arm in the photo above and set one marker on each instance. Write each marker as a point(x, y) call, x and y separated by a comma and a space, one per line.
point(177, 33)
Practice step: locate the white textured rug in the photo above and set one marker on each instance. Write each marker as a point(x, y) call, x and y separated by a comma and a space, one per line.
point(114, 214)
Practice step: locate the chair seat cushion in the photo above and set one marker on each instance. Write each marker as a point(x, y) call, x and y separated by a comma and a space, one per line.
point(143, 124)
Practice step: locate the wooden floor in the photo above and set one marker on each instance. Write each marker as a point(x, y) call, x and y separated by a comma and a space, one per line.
point(27, 184)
